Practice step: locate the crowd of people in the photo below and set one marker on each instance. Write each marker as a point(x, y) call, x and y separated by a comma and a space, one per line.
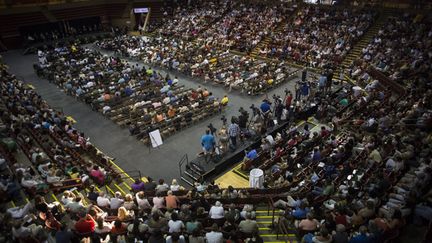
point(193, 19)
point(358, 171)
point(245, 26)
point(359, 179)
point(319, 37)
point(198, 59)
point(128, 94)
point(408, 65)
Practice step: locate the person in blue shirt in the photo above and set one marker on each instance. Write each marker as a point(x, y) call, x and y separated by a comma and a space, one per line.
point(128, 91)
point(322, 82)
point(300, 212)
point(208, 143)
point(304, 89)
point(362, 237)
point(265, 107)
point(252, 154)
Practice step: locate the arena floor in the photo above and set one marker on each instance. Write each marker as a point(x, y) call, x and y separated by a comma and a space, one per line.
point(130, 153)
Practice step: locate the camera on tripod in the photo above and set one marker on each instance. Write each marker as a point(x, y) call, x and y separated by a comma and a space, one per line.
point(223, 119)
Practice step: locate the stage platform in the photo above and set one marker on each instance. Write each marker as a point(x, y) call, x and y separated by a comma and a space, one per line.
point(227, 170)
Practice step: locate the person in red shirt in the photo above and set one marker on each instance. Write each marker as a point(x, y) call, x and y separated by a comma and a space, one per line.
point(324, 132)
point(119, 228)
point(171, 200)
point(97, 174)
point(288, 100)
point(86, 224)
point(340, 218)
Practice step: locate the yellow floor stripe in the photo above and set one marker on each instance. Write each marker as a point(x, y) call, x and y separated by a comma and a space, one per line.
point(118, 167)
point(110, 190)
point(55, 198)
point(265, 228)
point(119, 188)
point(97, 188)
point(262, 211)
point(264, 222)
point(266, 216)
point(274, 235)
point(127, 186)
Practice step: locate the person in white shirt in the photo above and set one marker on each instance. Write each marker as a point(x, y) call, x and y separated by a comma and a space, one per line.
point(18, 212)
point(217, 213)
point(67, 197)
point(29, 182)
point(102, 201)
point(175, 186)
point(214, 236)
point(175, 225)
point(76, 205)
point(116, 201)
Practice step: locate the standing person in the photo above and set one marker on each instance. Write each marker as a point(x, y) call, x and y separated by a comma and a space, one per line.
point(304, 75)
point(278, 109)
point(329, 81)
point(305, 88)
point(288, 100)
point(233, 132)
point(208, 143)
point(322, 82)
point(297, 88)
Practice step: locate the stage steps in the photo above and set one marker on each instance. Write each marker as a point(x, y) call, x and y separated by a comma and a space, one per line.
point(266, 228)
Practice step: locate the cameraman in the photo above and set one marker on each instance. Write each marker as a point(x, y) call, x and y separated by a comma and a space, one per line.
point(243, 119)
point(278, 108)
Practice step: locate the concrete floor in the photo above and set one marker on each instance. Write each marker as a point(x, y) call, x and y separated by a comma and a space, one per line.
point(130, 153)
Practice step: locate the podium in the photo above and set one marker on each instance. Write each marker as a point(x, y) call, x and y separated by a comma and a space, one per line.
point(256, 178)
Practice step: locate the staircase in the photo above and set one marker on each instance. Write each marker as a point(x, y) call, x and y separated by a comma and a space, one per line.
point(280, 28)
point(356, 52)
point(267, 39)
point(121, 184)
point(264, 219)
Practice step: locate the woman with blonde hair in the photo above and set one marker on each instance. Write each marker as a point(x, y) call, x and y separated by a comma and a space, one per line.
point(123, 214)
point(129, 204)
point(175, 186)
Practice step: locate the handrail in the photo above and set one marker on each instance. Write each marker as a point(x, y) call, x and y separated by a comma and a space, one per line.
point(282, 228)
point(181, 162)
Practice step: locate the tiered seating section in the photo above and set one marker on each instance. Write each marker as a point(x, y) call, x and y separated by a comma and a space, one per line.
point(406, 66)
point(245, 26)
point(127, 94)
point(368, 169)
point(52, 154)
point(189, 21)
point(314, 36)
point(318, 37)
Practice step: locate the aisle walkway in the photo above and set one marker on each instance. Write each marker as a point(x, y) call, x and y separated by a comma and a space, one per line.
point(130, 153)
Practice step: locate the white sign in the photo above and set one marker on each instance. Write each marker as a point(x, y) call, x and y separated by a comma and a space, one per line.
point(141, 10)
point(155, 138)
